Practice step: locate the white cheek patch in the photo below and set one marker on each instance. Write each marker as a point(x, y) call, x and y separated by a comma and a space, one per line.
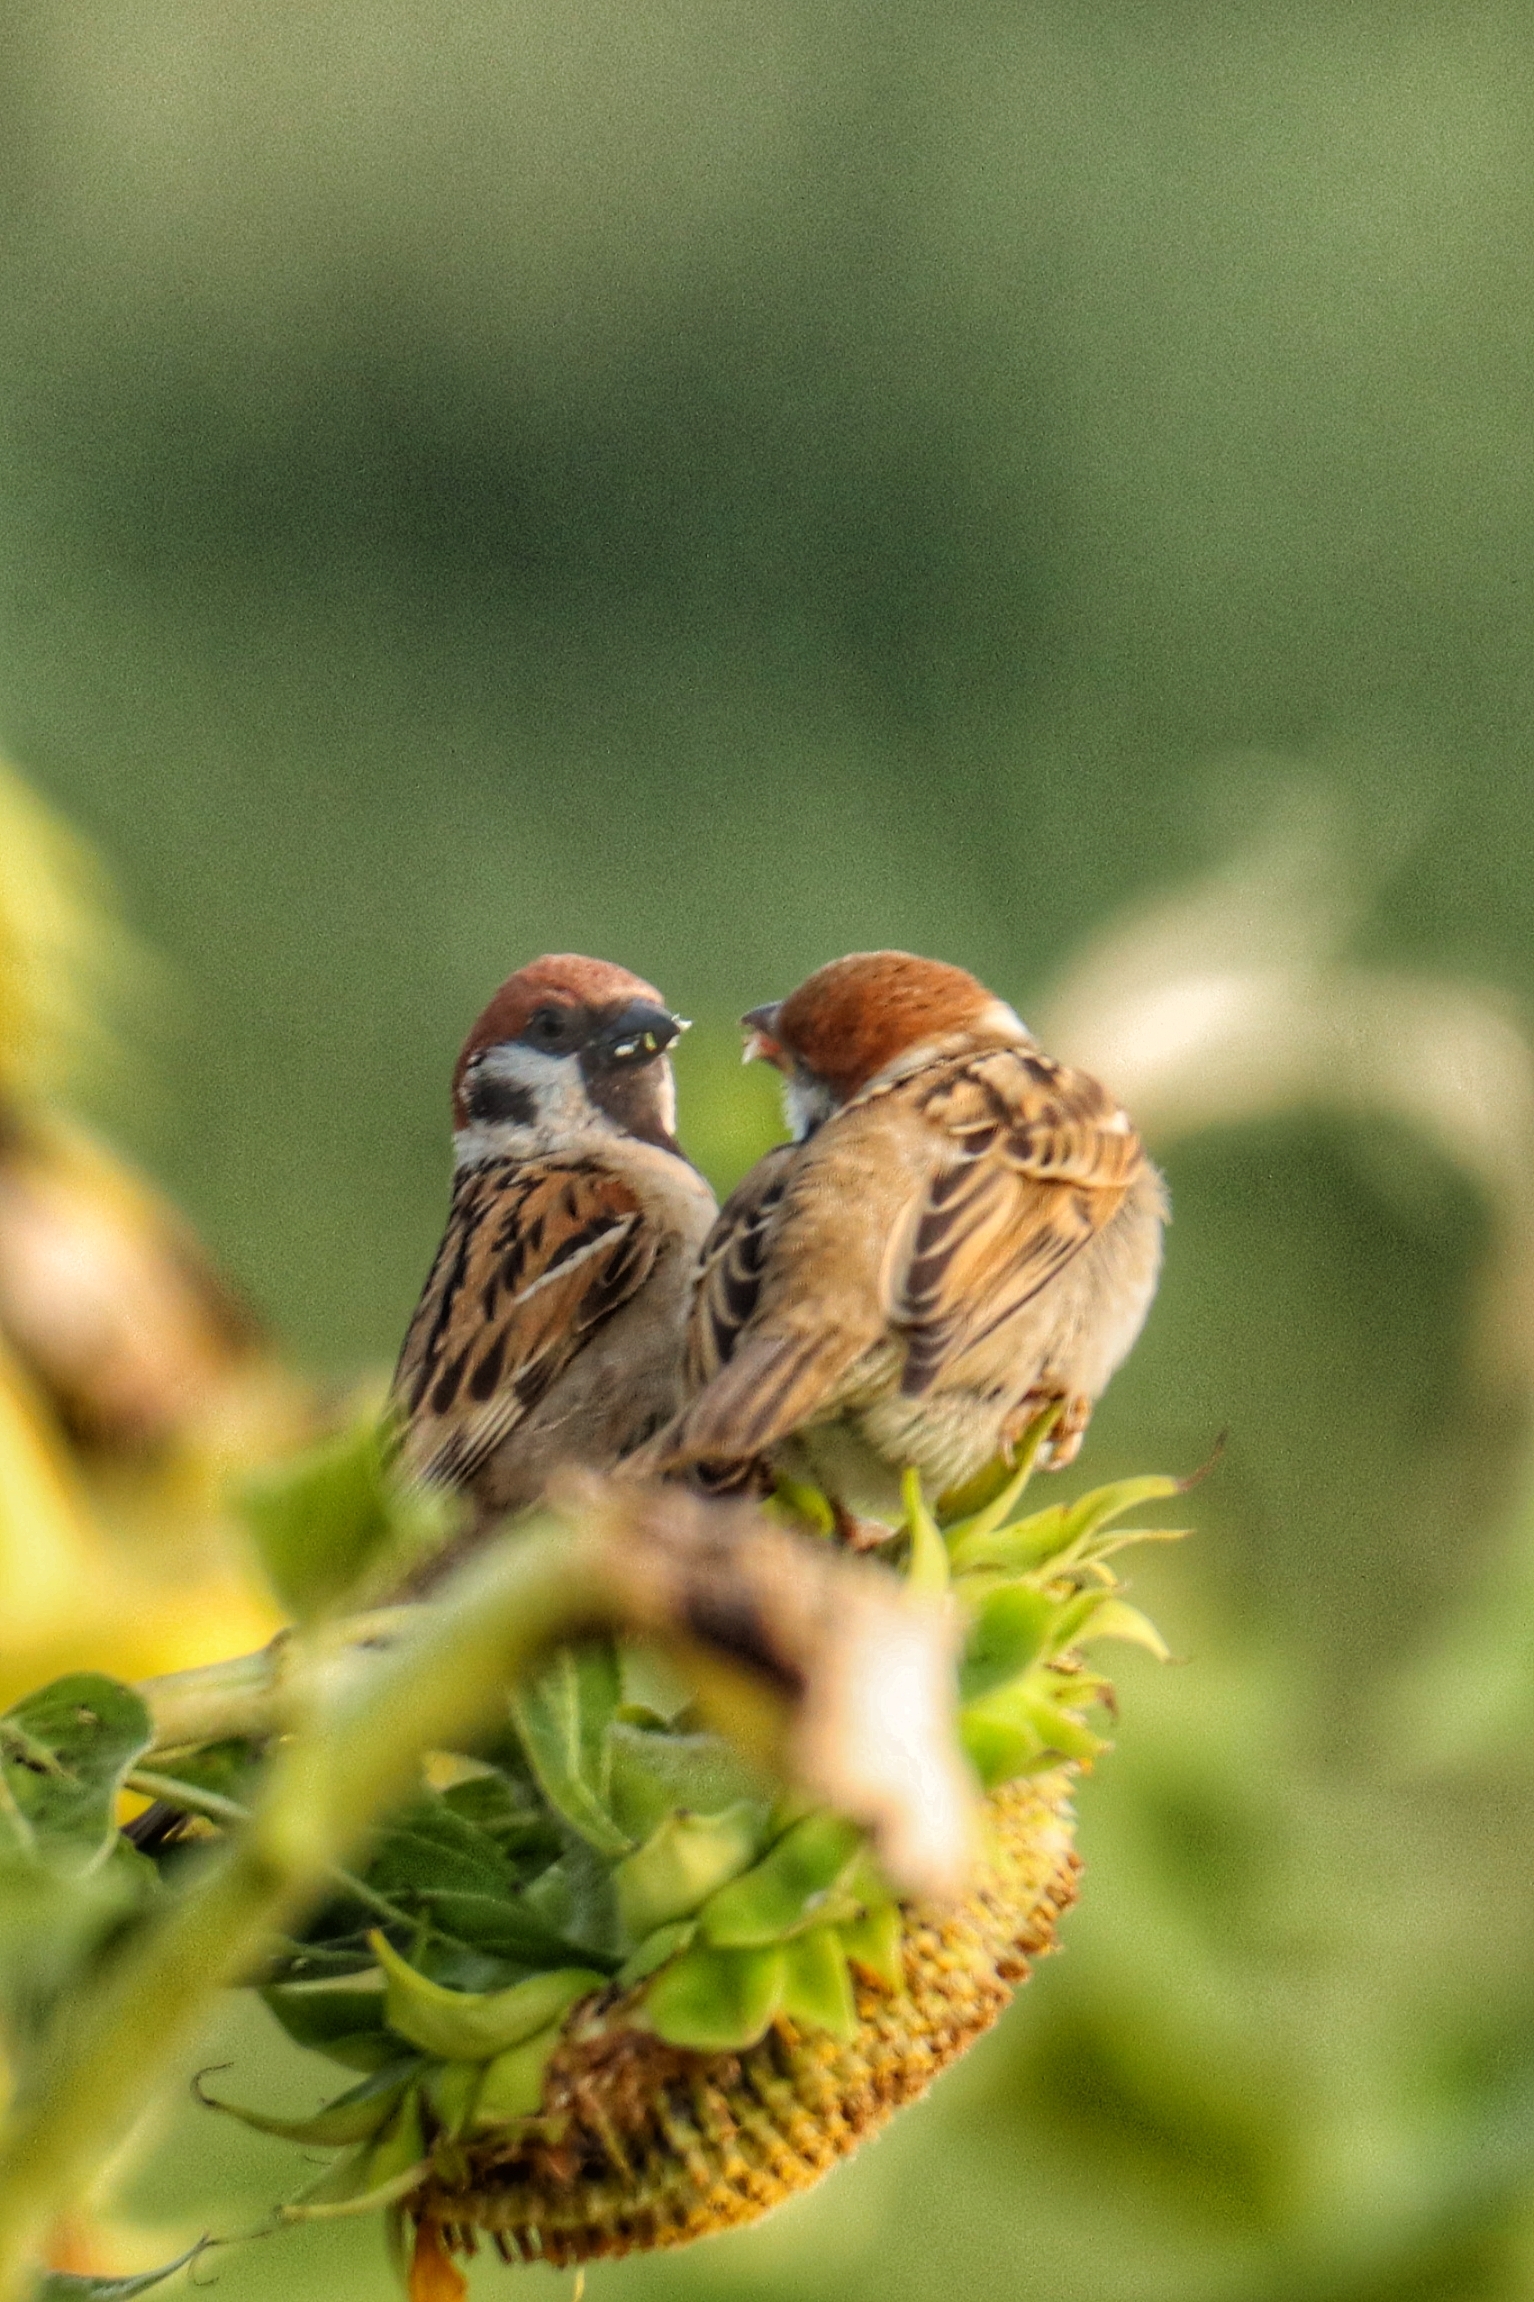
point(556, 1090)
point(549, 1079)
point(807, 1103)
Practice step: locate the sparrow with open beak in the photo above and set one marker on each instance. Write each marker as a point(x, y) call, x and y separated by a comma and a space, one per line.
point(961, 1233)
point(550, 1331)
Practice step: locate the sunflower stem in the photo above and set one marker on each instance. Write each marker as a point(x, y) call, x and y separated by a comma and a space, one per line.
point(248, 1697)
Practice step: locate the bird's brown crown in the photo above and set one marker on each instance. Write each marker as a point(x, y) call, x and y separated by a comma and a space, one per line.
point(850, 1018)
point(559, 979)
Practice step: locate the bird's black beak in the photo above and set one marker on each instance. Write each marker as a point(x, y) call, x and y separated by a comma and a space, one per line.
point(637, 1034)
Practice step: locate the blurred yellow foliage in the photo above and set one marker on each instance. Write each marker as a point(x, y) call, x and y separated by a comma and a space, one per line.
point(132, 1383)
point(83, 1593)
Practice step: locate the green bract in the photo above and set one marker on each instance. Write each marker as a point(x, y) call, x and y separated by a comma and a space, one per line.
point(686, 1858)
point(375, 2173)
point(356, 2116)
point(473, 2026)
point(1035, 1591)
point(789, 1889)
point(511, 2086)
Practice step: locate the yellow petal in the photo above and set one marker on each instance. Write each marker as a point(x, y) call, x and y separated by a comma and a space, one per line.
point(434, 2275)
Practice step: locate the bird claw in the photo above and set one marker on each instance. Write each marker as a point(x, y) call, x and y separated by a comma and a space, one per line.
point(1064, 1442)
point(855, 1534)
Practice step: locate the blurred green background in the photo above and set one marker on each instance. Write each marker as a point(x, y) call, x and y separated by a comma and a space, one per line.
point(718, 486)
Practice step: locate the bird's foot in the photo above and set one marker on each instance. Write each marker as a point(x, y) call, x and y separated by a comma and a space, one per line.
point(855, 1534)
point(1064, 1442)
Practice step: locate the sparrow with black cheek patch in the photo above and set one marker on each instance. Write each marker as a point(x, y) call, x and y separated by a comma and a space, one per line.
point(961, 1233)
point(550, 1331)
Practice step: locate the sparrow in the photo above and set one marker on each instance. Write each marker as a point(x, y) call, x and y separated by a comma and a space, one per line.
point(550, 1331)
point(961, 1233)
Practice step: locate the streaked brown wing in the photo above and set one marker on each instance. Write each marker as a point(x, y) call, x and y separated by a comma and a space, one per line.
point(729, 1282)
point(775, 1383)
point(751, 1382)
point(1039, 1160)
point(537, 1255)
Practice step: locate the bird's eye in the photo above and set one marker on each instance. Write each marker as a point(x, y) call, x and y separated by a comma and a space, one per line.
point(549, 1027)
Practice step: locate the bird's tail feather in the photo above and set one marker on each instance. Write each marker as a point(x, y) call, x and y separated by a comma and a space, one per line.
point(772, 1386)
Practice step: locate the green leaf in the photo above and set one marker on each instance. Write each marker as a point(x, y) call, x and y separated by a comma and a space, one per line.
point(429, 1844)
point(817, 1989)
point(1010, 1631)
point(790, 1888)
point(334, 1519)
point(16, 1743)
point(64, 2286)
point(577, 1898)
point(503, 1925)
point(651, 1774)
point(563, 1716)
point(683, 1861)
point(716, 2001)
point(436, 1866)
point(471, 2026)
point(355, 2116)
point(62, 1763)
point(510, 1814)
point(343, 2018)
